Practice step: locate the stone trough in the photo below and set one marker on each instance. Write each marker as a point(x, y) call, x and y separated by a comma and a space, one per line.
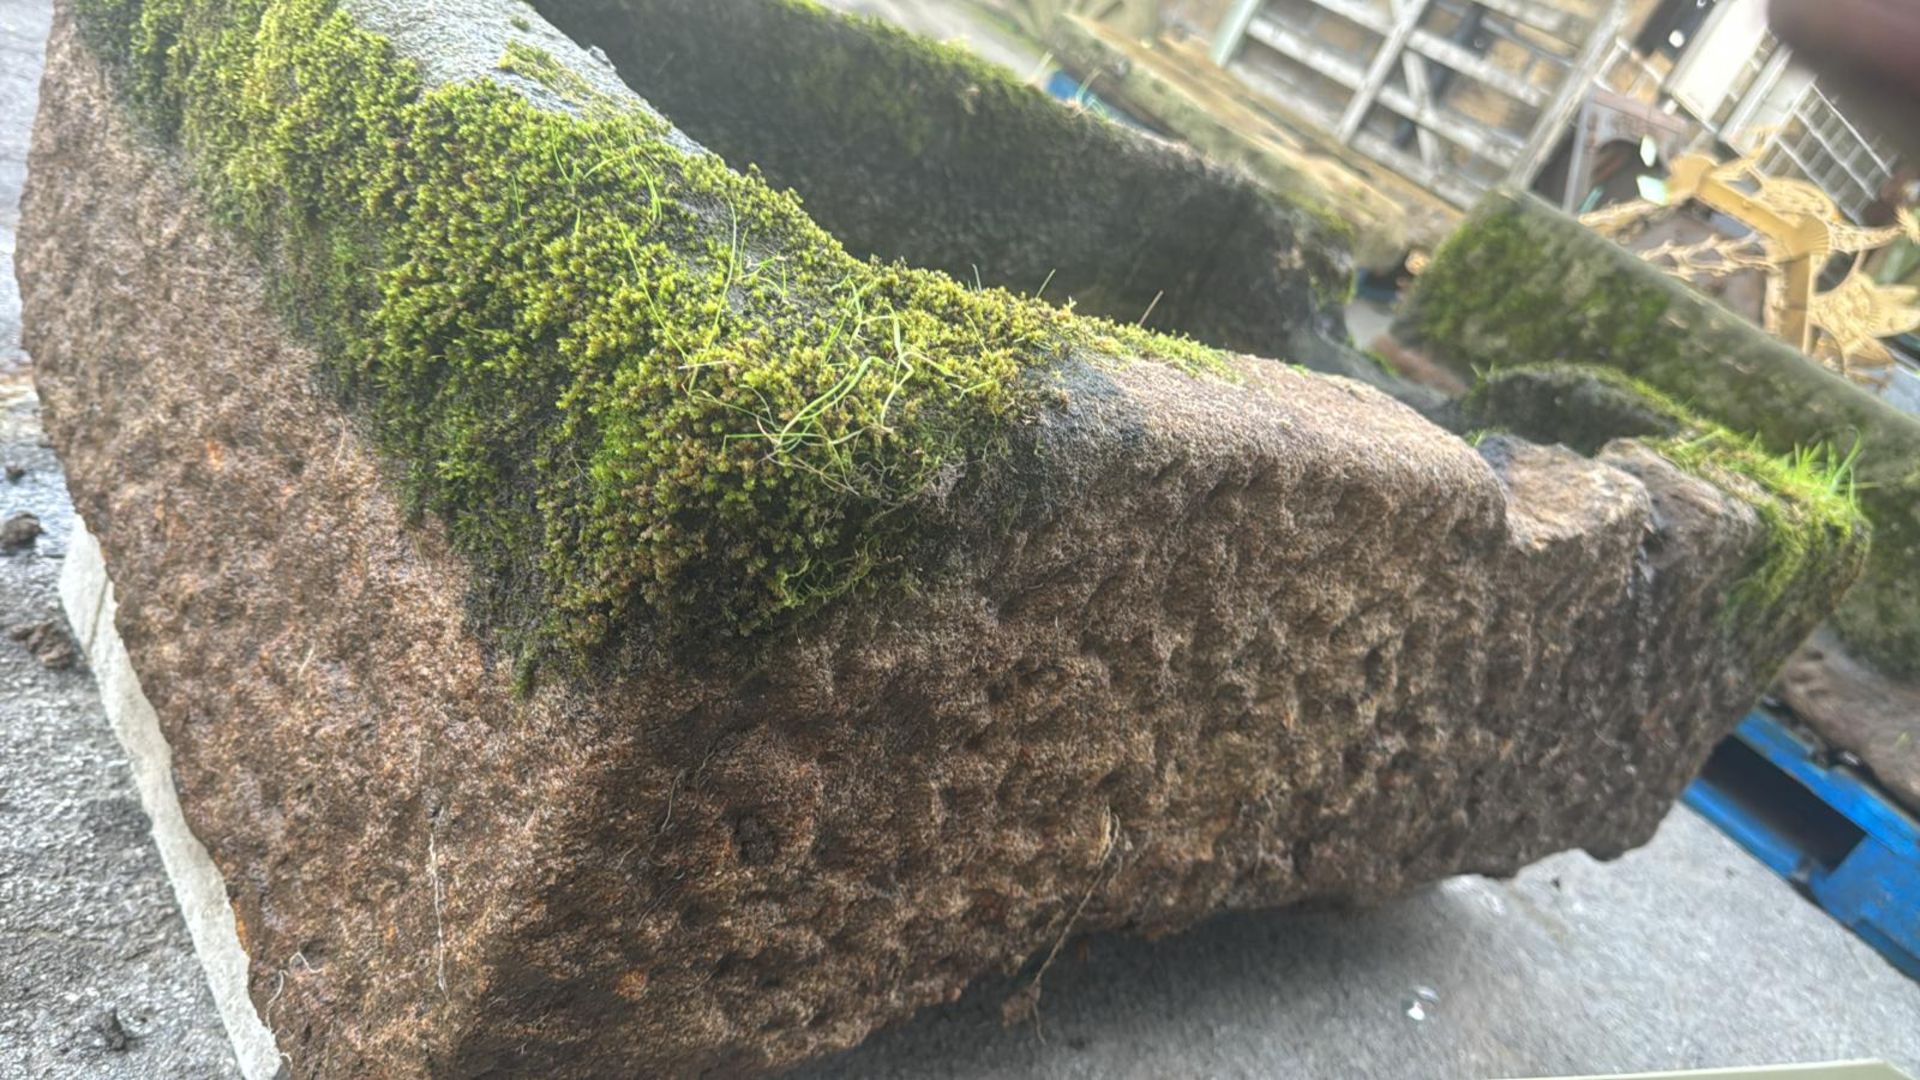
point(574, 619)
point(1520, 284)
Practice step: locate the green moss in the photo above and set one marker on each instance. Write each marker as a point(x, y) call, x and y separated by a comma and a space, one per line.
point(1496, 271)
point(1806, 501)
point(648, 395)
point(539, 65)
point(1380, 362)
point(1656, 401)
point(1520, 284)
point(1577, 405)
point(912, 149)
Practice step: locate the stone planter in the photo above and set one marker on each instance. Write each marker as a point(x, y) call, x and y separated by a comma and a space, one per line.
point(599, 627)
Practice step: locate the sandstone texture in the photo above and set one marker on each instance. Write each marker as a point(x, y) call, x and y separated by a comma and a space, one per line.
point(1196, 638)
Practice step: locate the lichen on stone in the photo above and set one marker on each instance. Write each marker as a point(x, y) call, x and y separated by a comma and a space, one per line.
point(647, 394)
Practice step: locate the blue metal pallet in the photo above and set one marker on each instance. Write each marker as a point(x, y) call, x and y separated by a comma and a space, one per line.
point(1824, 827)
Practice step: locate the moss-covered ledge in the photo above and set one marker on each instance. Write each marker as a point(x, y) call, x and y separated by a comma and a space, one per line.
point(646, 392)
point(910, 149)
point(1521, 283)
point(1576, 405)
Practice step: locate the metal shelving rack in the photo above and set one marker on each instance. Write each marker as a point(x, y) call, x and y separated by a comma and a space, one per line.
point(1382, 76)
point(1818, 143)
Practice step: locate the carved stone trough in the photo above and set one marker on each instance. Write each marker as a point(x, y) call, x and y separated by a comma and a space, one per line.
point(596, 625)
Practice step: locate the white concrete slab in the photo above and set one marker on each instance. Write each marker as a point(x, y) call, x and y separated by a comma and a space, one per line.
point(87, 595)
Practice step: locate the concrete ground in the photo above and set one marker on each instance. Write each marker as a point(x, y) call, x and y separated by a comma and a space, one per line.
point(1685, 953)
point(97, 977)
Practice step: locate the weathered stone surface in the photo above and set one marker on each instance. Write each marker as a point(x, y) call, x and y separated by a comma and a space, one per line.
point(1520, 283)
point(1581, 408)
point(1857, 709)
point(1227, 644)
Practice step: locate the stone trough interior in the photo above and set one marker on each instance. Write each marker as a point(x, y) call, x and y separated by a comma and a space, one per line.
point(1165, 632)
point(906, 149)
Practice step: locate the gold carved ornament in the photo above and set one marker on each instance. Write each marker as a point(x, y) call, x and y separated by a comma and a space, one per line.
point(1796, 228)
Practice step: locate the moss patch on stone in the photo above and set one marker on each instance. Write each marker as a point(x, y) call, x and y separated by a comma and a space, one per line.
point(1521, 284)
point(648, 395)
point(908, 148)
point(539, 65)
point(1806, 500)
